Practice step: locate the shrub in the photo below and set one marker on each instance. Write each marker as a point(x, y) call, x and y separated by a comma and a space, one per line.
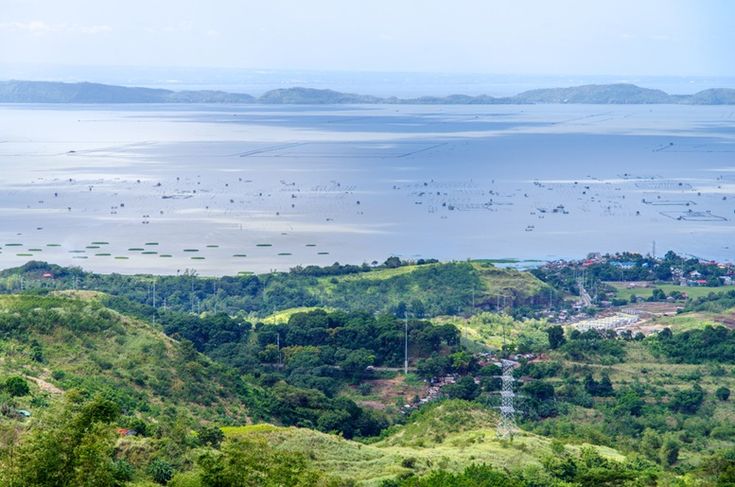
point(16, 386)
point(722, 393)
point(160, 471)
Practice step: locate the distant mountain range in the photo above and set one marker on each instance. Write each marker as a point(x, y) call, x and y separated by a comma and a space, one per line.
point(609, 94)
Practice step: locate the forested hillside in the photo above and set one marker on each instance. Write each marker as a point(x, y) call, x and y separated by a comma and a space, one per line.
point(111, 384)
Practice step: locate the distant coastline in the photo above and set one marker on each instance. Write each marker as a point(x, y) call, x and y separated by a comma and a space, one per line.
point(15, 91)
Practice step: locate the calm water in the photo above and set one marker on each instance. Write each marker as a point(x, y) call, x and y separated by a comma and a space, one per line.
point(252, 188)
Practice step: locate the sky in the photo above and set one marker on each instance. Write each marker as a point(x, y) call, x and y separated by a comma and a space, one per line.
point(554, 37)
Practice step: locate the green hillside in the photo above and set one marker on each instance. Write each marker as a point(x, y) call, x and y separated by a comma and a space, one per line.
point(102, 385)
point(449, 435)
point(71, 340)
point(422, 289)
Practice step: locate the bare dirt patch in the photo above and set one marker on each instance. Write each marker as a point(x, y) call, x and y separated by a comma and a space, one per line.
point(45, 386)
point(389, 390)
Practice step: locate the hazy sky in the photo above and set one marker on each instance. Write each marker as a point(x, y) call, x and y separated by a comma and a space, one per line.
point(621, 37)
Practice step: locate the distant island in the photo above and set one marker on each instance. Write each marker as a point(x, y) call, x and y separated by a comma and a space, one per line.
point(608, 94)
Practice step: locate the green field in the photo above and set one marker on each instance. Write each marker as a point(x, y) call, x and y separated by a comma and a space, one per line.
point(284, 315)
point(624, 292)
point(485, 331)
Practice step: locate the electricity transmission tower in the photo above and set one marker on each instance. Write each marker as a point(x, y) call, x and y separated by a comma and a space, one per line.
point(507, 421)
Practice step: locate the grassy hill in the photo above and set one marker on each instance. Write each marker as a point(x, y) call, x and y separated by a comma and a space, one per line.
point(449, 435)
point(656, 381)
point(438, 288)
point(428, 289)
point(70, 340)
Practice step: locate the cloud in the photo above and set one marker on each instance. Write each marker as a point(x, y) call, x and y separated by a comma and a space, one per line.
point(35, 27)
point(40, 27)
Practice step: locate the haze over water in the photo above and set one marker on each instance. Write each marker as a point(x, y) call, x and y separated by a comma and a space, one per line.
point(224, 189)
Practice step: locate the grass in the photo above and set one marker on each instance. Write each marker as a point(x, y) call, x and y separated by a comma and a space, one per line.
point(687, 321)
point(503, 281)
point(642, 369)
point(86, 345)
point(284, 315)
point(623, 292)
point(382, 274)
point(484, 331)
point(449, 435)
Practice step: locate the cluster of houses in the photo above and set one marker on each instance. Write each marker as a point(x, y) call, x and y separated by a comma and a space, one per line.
point(694, 278)
point(434, 391)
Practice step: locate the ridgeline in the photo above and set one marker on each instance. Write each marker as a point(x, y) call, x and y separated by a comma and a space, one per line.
point(16, 91)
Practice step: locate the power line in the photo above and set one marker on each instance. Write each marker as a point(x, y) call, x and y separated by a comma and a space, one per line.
point(405, 346)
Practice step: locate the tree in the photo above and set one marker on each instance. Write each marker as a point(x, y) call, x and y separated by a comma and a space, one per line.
point(651, 443)
point(556, 336)
point(722, 393)
point(465, 388)
point(669, 453)
point(658, 295)
point(16, 386)
point(590, 385)
point(605, 387)
point(356, 362)
point(245, 462)
point(71, 446)
point(210, 436)
point(687, 401)
point(160, 471)
point(628, 402)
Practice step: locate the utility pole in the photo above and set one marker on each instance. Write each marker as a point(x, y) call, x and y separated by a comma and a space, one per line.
point(278, 346)
point(405, 346)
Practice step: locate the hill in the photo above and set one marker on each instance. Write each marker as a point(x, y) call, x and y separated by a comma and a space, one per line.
point(72, 341)
point(620, 93)
point(714, 96)
point(424, 289)
point(56, 92)
point(450, 435)
point(310, 96)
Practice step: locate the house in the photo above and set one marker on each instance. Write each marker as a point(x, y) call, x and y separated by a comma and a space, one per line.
point(697, 282)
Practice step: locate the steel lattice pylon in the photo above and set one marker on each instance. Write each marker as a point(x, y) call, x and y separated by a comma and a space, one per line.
point(507, 421)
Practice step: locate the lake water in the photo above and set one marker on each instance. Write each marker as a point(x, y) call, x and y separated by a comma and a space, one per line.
point(225, 189)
